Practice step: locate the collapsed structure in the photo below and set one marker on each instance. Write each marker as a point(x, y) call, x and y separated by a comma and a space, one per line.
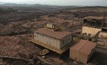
point(53, 39)
point(82, 51)
point(93, 26)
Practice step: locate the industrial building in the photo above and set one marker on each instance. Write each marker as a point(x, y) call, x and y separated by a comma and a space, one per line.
point(94, 26)
point(53, 39)
point(82, 51)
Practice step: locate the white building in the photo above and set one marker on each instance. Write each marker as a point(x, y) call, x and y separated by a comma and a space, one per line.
point(57, 41)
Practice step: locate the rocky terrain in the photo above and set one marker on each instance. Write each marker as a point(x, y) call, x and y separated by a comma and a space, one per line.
point(16, 28)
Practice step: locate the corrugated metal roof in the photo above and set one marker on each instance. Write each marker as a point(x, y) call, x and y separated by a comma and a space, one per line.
point(84, 46)
point(94, 17)
point(54, 34)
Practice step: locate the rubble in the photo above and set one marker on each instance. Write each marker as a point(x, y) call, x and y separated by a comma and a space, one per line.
point(17, 48)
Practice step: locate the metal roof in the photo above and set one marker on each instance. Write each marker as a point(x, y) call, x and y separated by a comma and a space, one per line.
point(54, 34)
point(84, 46)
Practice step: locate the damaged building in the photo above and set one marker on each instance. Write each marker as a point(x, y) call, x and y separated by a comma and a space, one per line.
point(94, 26)
point(82, 51)
point(53, 39)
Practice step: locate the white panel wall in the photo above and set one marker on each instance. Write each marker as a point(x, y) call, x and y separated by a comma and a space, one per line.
point(48, 40)
point(52, 41)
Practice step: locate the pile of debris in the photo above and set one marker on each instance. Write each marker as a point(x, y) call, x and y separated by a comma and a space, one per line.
point(17, 48)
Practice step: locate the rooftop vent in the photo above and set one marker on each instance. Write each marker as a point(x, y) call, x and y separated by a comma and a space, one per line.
point(52, 27)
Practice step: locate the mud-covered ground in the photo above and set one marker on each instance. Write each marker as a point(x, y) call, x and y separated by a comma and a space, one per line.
point(17, 27)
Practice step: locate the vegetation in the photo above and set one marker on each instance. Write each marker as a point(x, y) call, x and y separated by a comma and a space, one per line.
point(7, 10)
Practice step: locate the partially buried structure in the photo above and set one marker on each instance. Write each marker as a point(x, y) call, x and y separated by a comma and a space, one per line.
point(94, 25)
point(53, 38)
point(82, 51)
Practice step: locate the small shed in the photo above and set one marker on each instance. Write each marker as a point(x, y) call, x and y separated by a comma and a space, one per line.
point(82, 51)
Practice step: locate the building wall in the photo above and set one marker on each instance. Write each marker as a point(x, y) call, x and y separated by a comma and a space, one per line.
point(53, 41)
point(47, 40)
point(73, 54)
point(90, 30)
point(66, 40)
point(78, 56)
point(82, 58)
point(103, 34)
point(89, 56)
